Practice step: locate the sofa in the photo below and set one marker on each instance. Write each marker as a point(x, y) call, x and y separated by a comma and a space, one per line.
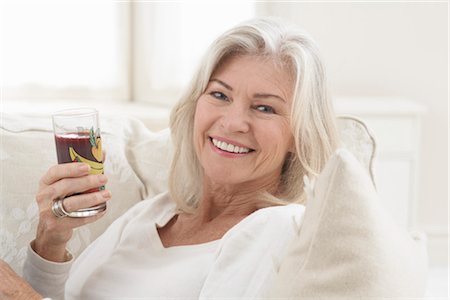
point(347, 247)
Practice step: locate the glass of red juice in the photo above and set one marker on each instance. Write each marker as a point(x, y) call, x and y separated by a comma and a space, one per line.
point(77, 139)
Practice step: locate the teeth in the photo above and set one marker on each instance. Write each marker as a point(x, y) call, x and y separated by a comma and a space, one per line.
point(229, 147)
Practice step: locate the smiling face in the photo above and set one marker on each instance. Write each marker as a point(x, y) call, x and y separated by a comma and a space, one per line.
point(241, 127)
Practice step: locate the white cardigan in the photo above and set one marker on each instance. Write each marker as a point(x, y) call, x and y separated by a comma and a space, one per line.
point(129, 260)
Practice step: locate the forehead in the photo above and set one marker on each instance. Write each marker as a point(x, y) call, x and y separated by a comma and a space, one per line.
point(258, 72)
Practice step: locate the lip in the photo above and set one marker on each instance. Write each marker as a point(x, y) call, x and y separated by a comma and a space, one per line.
point(225, 153)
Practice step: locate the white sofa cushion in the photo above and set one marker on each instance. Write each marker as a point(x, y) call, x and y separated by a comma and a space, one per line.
point(348, 247)
point(137, 164)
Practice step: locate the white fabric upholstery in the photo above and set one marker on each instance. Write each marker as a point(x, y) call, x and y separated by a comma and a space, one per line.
point(348, 247)
point(359, 140)
point(137, 166)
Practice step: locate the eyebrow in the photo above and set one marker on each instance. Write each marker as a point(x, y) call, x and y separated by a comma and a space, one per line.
point(222, 83)
point(264, 96)
point(257, 95)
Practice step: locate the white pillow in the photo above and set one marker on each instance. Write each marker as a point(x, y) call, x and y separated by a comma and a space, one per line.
point(348, 247)
point(137, 164)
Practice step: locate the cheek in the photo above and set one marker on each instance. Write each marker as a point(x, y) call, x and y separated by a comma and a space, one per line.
point(202, 123)
point(281, 143)
point(276, 141)
point(206, 114)
point(288, 137)
point(279, 135)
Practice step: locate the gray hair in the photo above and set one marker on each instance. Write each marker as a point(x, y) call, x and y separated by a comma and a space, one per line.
point(312, 119)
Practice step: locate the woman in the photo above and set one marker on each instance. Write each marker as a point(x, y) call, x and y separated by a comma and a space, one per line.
point(255, 119)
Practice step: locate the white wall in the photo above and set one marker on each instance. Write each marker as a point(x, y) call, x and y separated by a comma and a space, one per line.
point(391, 49)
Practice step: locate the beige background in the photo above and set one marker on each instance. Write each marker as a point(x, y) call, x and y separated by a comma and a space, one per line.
point(391, 49)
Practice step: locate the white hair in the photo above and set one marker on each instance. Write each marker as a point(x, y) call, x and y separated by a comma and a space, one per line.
point(312, 119)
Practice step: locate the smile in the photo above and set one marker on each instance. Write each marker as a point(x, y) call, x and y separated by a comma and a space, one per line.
point(229, 147)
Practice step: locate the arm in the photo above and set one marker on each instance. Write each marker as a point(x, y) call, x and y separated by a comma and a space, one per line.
point(68, 278)
point(48, 262)
point(12, 287)
point(47, 277)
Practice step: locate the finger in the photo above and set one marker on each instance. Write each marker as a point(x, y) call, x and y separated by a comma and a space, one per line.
point(77, 202)
point(70, 186)
point(68, 170)
point(104, 156)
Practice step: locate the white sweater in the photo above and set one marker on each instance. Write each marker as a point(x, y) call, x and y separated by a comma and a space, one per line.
point(129, 261)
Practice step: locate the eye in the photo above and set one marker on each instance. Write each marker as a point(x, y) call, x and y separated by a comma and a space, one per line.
point(265, 109)
point(219, 95)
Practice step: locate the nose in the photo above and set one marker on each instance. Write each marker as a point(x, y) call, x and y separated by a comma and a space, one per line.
point(236, 119)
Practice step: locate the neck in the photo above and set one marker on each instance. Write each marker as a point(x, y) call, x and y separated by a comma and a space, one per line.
point(228, 201)
point(219, 209)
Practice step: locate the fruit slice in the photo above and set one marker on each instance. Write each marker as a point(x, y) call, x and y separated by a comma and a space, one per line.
point(96, 167)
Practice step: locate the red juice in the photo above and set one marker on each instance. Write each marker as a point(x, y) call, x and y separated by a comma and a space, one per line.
point(84, 147)
point(79, 141)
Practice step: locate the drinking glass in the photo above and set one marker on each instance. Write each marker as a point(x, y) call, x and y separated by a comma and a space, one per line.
point(77, 139)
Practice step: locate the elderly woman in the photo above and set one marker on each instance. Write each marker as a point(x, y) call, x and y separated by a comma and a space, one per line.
point(254, 120)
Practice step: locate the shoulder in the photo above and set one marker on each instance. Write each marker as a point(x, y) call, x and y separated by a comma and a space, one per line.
point(279, 213)
point(151, 209)
point(154, 206)
point(250, 253)
point(159, 202)
point(267, 225)
point(273, 218)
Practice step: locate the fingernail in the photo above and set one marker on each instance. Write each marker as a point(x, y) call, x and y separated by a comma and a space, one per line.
point(106, 194)
point(84, 167)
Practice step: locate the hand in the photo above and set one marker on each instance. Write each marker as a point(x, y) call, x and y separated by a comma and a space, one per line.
point(13, 287)
point(63, 181)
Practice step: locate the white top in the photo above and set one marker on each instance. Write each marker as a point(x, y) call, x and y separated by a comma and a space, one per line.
point(130, 261)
